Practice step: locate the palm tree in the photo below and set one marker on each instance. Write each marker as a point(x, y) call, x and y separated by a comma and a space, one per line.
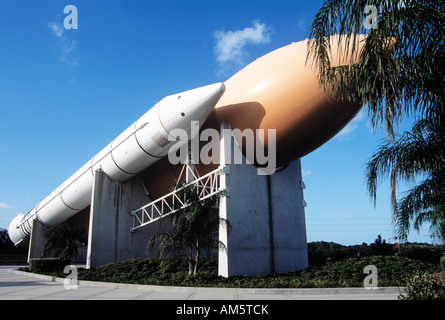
point(400, 72)
point(193, 227)
point(401, 67)
point(413, 155)
point(61, 241)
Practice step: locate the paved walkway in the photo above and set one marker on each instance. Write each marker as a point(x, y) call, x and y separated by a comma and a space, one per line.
point(17, 285)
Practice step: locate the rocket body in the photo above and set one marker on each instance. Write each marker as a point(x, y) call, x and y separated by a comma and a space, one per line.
point(278, 91)
point(138, 147)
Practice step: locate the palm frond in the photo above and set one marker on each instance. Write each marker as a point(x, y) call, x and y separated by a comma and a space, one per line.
point(418, 153)
point(401, 68)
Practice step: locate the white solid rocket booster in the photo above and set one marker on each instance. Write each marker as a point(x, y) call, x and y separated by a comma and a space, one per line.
point(138, 147)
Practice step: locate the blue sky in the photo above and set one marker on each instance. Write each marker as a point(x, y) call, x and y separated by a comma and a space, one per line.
point(65, 94)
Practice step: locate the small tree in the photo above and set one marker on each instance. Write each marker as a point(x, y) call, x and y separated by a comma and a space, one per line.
point(61, 241)
point(194, 227)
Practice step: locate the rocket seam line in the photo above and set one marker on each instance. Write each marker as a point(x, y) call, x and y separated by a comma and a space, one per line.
point(40, 220)
point(137, 141)
point(61, 198)
point(159, 117)
point(114, 161)
point(25, 228)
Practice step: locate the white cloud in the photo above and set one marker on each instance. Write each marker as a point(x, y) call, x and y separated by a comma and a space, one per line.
point(66, 46)
point(352, 125)
point(348, 130)
point(56, 28)
point(230, 45)
point(4, 205)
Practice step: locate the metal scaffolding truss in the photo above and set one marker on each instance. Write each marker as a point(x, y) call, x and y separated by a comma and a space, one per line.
point(206, 186)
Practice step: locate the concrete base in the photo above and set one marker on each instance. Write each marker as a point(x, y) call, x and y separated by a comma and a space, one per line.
point(109, 237)
point(266, 213)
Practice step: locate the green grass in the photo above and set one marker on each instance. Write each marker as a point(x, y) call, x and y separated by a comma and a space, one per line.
point(392, 271)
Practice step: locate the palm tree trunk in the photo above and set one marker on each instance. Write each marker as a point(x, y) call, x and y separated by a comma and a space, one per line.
point(196, 257)
point(190, 260)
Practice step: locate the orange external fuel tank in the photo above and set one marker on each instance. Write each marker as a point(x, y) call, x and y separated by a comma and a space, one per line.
point(277, 91)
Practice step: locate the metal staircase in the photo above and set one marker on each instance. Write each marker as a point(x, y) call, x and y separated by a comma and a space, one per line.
point(206, 186)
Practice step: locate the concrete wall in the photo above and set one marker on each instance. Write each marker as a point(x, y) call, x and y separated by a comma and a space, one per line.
point(266, 213)
point(109, 238)
point(36, 240)
point(37, 243)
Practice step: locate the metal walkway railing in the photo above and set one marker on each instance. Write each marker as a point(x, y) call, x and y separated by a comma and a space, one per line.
point(206, 186)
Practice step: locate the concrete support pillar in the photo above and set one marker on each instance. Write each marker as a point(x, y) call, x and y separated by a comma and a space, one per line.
point(109, 237)
point(36, 240)
point(266, 213)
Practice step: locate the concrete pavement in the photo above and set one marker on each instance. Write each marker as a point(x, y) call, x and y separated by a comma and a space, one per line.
point(17, 285)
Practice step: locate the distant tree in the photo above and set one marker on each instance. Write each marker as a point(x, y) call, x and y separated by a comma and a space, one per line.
point(321, 251)
point(6, 245)
point(380, 247)
point(193, 227)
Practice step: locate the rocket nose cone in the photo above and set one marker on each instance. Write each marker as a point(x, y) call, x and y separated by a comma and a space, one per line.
point(216, 89)
point(205, 98)
point(177, 111)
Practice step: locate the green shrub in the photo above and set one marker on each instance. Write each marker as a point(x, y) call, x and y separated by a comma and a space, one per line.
point(392, 271)
point(173, 264)
point(425, 286)
point(44, 265)
point(419, 252)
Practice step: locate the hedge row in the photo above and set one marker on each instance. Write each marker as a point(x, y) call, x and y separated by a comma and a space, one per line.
point(45, 265)
point(392, 271)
